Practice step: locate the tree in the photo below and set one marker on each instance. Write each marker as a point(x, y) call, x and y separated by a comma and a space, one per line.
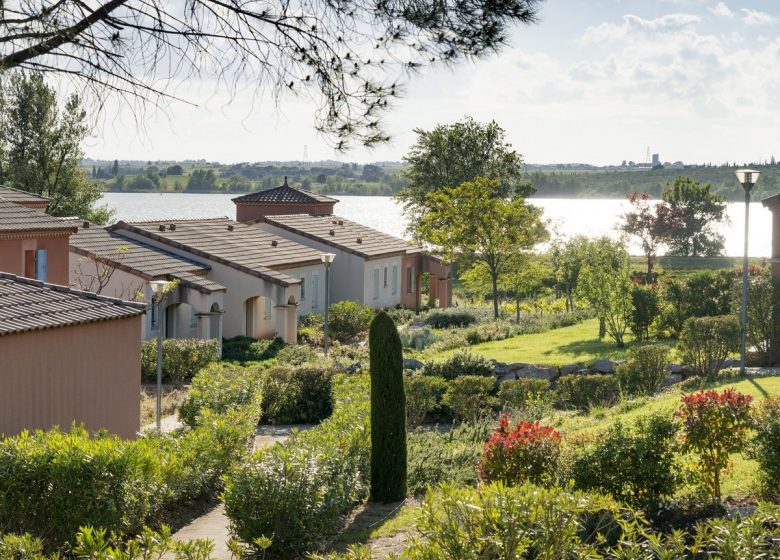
point(605, 283)
point(175, 170)
point(41, 148)
point(699, 211)
point(452, 154)
point(202, 180)
point(653, 224)
point(350, 54)
point(567, 258)
point(115, 168)
point(524, 278)
point(388, 411)
point(469, 221)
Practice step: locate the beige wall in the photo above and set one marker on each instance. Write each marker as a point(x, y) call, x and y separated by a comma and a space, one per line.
point(12, 256)
point(385, 296)
point(246, 212)
point(87, 373)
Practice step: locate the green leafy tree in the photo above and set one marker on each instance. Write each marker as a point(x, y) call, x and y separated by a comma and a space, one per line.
point(763, 316)
point(652, 224)
point(700, 211)
point(468, 220)
point(605, 283)
point(567, 258)
point(202, 180)
point(452, 154)
point(388, 411)
point(40, 151)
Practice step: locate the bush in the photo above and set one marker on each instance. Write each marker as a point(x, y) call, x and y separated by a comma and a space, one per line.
point(714, 425)
point(182, 358)
point(418, 339)
point(470, 397)
point(349, 319)
point(635, 464)
point(765, 448)
point(446, 319)
point(460, 363)
point(706, 342)
point(645, 370)
point(310, 329)
point(423, 396)
point(762, 316)
point(488, 332)
point(646, 307)
point(702, 294)
point(586, 391)
point(402, 315)
point(296, 492)
point(244, 349)
point(220, 388)
point(529, 399)
point(295, 355)
point(529, 452)
point(299, 395)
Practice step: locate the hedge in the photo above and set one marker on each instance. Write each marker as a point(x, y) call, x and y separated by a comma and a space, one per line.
point(586, 391)
point(182, 358)
point(221, 387)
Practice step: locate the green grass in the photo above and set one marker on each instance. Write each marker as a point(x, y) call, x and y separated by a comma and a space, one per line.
point(577, 343)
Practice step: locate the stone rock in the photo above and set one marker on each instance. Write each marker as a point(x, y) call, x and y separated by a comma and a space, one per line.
point(672, 379)
point(354, 368)
point(731, 363)
point(604, 365)
point(534, 372)
point(413, 364)
point(517, 366)
point(568, 369)
point(507, 376)
point(675, 369)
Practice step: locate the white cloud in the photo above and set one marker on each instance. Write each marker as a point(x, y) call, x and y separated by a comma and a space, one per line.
point(722, 10)
point(608, 32)
point(755, 17)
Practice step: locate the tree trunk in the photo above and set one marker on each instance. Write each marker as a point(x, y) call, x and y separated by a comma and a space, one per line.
point(650, 266)
point(602, 328)
point(517, 310)
point(494, 276)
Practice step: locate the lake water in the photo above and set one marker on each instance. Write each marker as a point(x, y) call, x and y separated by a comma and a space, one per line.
point(591, 217)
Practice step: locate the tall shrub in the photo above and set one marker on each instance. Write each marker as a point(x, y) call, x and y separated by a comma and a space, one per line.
point(182, 358)
point(766, 446)
point(348, 320)
point(645, 308)
point(388, 411)
point(644, 370)
point(706, 342)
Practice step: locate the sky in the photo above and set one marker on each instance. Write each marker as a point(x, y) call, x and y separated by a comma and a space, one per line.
point(594, 81)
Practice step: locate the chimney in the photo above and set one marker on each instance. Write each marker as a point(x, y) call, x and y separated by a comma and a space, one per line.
point(274, 243)
point(332, 232)
point(285, 182)
point(85, 225)
point(230, 227)
point(360, 240)
point(172, 227)
point(162, 227)
point(341, 222)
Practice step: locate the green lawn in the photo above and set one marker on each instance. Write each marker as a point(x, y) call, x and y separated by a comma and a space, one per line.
point(578, 343)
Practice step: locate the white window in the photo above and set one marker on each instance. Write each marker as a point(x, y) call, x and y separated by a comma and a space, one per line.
point(267, 302)
point(315, 290)
point(395, 279)
point(411, 278)
point(376, 282)
point(42, 265)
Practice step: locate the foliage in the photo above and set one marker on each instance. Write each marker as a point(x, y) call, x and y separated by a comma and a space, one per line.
point(219, 388)
point(470, 397)
point(295, 354)
point(706, 342)
point(605, 283)
point(349, 319)
point(418, 338)
point(468, 219)
point(645, 309)
point(586, 391)
point(525, 277)
point(529, 452)
point(763, 315)
point(181, 358)
point(567, 259)
point(40, 151)
point(310, 329)
point(714, 425)
point(700, 211)
point(529, 399)
point(295, 492)
point(388, 411)
point(460, 363)
point(702, 294)
point(244, 349)
point(636, 465)
point(644, 370)
point(202, 180)
point(653, 224)
point(765, 447)
point(297, 395)
point(447, 318)
point(423, 396)
point(449, 456)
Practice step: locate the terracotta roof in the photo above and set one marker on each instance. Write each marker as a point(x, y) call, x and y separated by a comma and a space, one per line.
point(31, 305)
point(23, 197)
point(16, 218)
point(343, 234)
point(284, 194)
point(231, 243)
point(136, 257)
point(771, 200)
point(200, 283)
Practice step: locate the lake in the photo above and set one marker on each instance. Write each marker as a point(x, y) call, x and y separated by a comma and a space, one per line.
point(591, 217)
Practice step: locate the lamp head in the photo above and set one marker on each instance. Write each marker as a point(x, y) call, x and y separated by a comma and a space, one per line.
point(327, 258)
point(747, 178)
point(158, 287)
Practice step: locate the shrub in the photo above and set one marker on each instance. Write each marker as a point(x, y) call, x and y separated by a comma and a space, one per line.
point(296, 492)
point(423, 395)
point(706, 342)
point(470, 397)
point(644, 370)
point(635, 464)
point(300, 395)
point(529, 452)
point(348, 320)
point(402, 315)
point(221, 388)
point(488, 332)
point(646, 307)
point(765, 448)
point(460, 363)
point(702, 294)
point(762, 316)
point(388, 411)
point(530, 399)
point(295, 354)
point(714, 425)
point(418, 339)
point(181, 358)
point(445, 319)
point(586, 391)
point(310, 329)
point(244, 349)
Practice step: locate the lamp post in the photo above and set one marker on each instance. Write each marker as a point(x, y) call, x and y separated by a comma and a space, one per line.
point(158, 294)
point(747, 178)
point(327, 260)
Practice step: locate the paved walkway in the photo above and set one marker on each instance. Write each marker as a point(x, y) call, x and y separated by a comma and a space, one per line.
point(167, 424)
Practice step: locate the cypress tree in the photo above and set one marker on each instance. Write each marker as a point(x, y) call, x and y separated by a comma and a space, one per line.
point(388, 411)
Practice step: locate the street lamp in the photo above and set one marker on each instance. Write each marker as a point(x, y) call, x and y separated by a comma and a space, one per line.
point(327, 259)
point(158, 294)
point(747, 178)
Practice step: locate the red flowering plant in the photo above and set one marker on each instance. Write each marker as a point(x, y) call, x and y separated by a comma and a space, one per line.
point(714, 425)
point(527, 452)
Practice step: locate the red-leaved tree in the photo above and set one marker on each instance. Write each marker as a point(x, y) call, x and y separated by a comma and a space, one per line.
point(652, 224)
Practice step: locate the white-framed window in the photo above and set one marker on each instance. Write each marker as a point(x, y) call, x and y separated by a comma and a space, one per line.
point(410, 279)
point(376, 282)
point(315, 290)
point(395, 279)
point(267, 303)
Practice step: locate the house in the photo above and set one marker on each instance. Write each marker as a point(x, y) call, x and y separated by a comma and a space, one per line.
point(24, 198)
point(68, 356)
point(104, 262)
point(269, 280)
point(33, 244)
